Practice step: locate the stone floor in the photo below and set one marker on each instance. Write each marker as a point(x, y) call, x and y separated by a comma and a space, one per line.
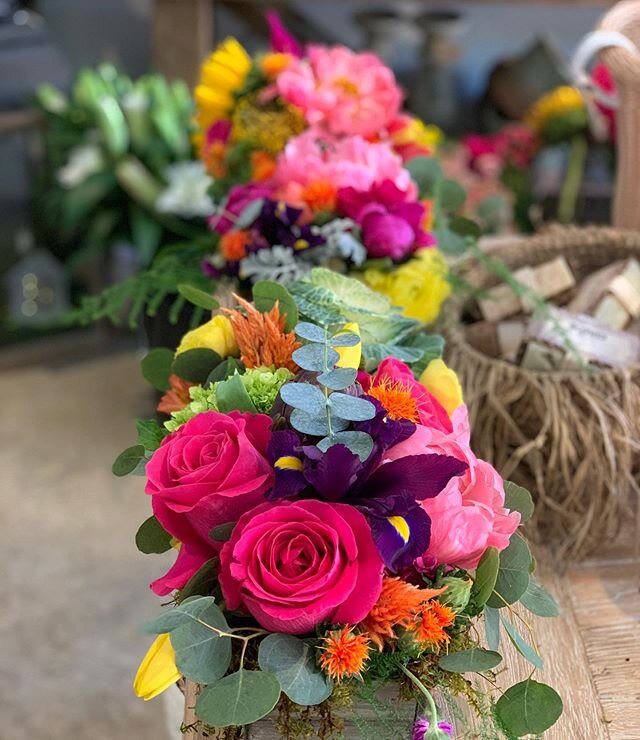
point(75, 588)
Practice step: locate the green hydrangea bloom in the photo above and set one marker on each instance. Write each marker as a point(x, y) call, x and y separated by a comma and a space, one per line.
point(263, 385)
point(201, 400)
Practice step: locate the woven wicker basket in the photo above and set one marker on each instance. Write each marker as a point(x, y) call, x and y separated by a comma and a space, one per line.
point(571, 437)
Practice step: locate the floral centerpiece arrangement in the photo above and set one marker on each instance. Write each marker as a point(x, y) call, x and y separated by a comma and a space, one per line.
point(334, 531)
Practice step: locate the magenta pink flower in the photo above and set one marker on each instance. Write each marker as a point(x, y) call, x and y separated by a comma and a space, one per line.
point(350, 162)
point(391, 225)
point(469, 514)
point(341, 91)
point(297, 564)
point(240, 196)
point(281, 40)
point(207, 473)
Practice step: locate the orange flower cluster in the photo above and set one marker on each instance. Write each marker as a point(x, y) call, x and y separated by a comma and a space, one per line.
point(344, 653)
point(396, 399)
point(177, 397)
point(320, 195)
point(429, 625)
point(233, 245)
point(261, 337)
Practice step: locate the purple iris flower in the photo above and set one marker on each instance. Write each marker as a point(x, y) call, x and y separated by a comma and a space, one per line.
point(278, 224)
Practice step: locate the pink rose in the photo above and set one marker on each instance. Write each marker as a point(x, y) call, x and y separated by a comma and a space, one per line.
point(469, 514)
point(297, 564)
point(209, 472)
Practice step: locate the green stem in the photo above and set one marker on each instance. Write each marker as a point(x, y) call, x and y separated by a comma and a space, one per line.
point(573, 179)
point(432, 709)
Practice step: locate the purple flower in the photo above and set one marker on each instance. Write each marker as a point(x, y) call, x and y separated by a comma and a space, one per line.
point(278, 224)
point(421, 727)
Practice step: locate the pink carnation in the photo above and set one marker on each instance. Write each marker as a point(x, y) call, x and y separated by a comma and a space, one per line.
point(342, 91)
point(207, 473)
point(469, 514)
point(351, 162)
point(297, 564)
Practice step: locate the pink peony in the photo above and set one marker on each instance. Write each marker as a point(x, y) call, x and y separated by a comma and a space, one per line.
point(341, 91)
point(297, 564)
point(207, 473)
point(391, 226)
point(346, 163)
point(469, 514)
point(240, 196)
point(393, 372)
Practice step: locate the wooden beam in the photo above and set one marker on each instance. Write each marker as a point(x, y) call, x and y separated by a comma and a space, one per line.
point(182, 36)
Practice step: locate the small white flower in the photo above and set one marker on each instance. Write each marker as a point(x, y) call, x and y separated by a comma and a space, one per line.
point(84, 160)
point(186, 194)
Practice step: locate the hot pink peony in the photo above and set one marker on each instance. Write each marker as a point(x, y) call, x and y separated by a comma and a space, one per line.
point(345, 163)
point(207, 473)
point(469, 514)
point(342, 91)
point(297, 564)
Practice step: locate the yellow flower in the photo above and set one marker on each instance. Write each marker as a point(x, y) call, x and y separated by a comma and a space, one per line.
point(222, 74)
point(419, 286)
point(217, 334)
point(268, 129)
point(559, 102)
point(416, 132)
point(443, 383)
point(158, 669)
point(350, 356)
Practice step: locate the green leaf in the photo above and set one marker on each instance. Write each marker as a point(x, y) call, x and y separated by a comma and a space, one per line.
point(425, 172)
point(492, 627)
point(195, 365)
point(346, 339)
point(513, 576)
point(226, 369)
point(128, 460)
point(312, 357)
point(239, 699)
point(150, 434)
point(293, 663)
point(156, 367)
point(474, 660)
point(198, 297)
point(521, 645)
point(311, 332)
point(316, 426)
point(486, 576)
point(450, 242)
point(202, 582)
point(231, 395)
point(222, 532)
point(146, 233)
point(432, 348)
point(351, 408)
point(173, 618)
point(452, 196)
point(266, 293)
point(339, 378)
point(465, 227)
point(304, 396)
point(539, 601)
point(528, 708)
point(201, 653)
point(348, 291)
point(152, 537)
point(517, 498)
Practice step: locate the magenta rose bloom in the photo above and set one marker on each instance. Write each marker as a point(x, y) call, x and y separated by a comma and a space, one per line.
point(209, 472)
point(297, 564)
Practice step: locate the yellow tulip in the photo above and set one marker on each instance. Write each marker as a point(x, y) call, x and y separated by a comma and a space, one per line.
point(217, 334)
point(443, 383)
point(350, 356)
point(158, 669)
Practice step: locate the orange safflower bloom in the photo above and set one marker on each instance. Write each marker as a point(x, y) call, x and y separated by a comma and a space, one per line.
point(274, 63)
point(213, 156)
point(263, 166)
point(344, 653)
point(429, 626)
point(177, 397)
point(396, 399)
point(233, 245)
point(261, 336)
point(397, 606)
point(320, 195)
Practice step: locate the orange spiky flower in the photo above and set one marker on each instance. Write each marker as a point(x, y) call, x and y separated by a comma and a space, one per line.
point(396, 399)
point(320, 195)
point(429, 625)
point(344, 653)
point(177, 397)
point(233, 245)
point(261, 336)
point(397, 606)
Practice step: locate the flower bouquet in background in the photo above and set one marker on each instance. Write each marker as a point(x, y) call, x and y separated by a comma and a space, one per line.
point(120, 166)
point(337, 541)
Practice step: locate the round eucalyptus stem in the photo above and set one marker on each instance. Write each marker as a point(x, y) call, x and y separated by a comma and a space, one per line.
point(573, 179)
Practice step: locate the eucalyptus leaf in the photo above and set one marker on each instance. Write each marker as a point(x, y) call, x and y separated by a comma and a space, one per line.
point(293, 663)
point(351, 408)
point(128, 460)
point(486, 576)
point(360, 443)
point(306, 397)
point(513, 576)
point(528, 708)
point(198, 297)
point(231, 395)
point(151, 537)
point(195, 365)
point(238, 699)
point(474, 660)
point(339, 378)
point(492, 627)
point(266, 293)
point(315, 357)
point(539, 601)
point(311, 332)
point(173, 618)
point(426, 172)
point(313, 425)
point(156, 367)
point(452, 196)
point(345, 339)
point(450, 242)
point(517, 498)
point(222, 532)
point(520, 644)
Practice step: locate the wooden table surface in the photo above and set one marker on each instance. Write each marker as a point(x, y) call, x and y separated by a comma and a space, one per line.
point(75, 589)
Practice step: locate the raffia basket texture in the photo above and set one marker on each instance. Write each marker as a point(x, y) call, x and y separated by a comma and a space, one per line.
point(571, 437)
